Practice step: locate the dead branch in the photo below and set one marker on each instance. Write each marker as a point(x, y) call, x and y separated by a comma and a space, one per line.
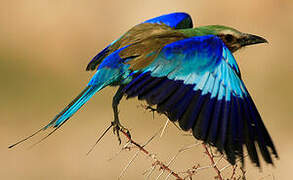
point(211, 156)
point(156, 162)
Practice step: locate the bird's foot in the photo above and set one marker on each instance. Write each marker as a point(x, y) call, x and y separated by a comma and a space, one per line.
point(151, 109)
point(117, 127)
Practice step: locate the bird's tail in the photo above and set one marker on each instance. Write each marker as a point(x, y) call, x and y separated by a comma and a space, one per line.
point(68, 111)
point(74, 106)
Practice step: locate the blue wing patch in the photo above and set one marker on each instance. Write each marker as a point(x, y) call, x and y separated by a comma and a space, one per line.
point(177, 20)
point(97, 59)
point(196, 82)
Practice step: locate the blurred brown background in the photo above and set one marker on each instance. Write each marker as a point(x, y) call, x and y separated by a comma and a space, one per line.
point(46, 45)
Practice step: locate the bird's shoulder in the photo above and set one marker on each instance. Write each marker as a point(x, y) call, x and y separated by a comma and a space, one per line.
point(177, 20)
point(144, 33)
point(144, 43)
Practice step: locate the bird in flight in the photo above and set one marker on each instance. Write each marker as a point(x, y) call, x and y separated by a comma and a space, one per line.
point(190, 75)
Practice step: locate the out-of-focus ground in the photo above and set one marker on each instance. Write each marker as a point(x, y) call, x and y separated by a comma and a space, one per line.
point(46, 45)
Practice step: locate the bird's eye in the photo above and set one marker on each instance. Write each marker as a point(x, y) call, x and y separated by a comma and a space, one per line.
point(229, 38)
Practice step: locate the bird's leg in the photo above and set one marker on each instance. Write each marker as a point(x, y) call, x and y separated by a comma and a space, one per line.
point(116, 123)
point(152, 109)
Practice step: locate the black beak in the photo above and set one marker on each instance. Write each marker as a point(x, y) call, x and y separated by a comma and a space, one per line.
point(250, 39)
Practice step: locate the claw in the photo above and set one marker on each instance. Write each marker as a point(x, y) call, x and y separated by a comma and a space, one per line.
point(151, 109)
point(128, 133)
point(118, 136)
point(116, 130)
point(117, 127)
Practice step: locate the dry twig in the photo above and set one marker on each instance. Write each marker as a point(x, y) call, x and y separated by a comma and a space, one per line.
point(211, 156)
point(156, 162)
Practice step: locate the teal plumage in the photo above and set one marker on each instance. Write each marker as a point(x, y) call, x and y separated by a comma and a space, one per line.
point(191, 76)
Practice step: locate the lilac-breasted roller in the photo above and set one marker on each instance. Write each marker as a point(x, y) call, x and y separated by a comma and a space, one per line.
point(190, 75)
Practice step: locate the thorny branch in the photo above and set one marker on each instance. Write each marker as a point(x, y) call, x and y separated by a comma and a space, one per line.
point(156, 161)
point(213, 164)
point(165, 167)
point(237, 172)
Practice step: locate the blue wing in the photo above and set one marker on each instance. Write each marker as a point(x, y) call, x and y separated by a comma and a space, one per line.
point(196, 81)
point(177, 20)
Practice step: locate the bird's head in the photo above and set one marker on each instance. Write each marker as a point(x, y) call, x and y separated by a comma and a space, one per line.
point(232, 38)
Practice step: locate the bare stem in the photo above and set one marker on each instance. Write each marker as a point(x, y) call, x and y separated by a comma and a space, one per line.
point(213, 164)
point(156, 161)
